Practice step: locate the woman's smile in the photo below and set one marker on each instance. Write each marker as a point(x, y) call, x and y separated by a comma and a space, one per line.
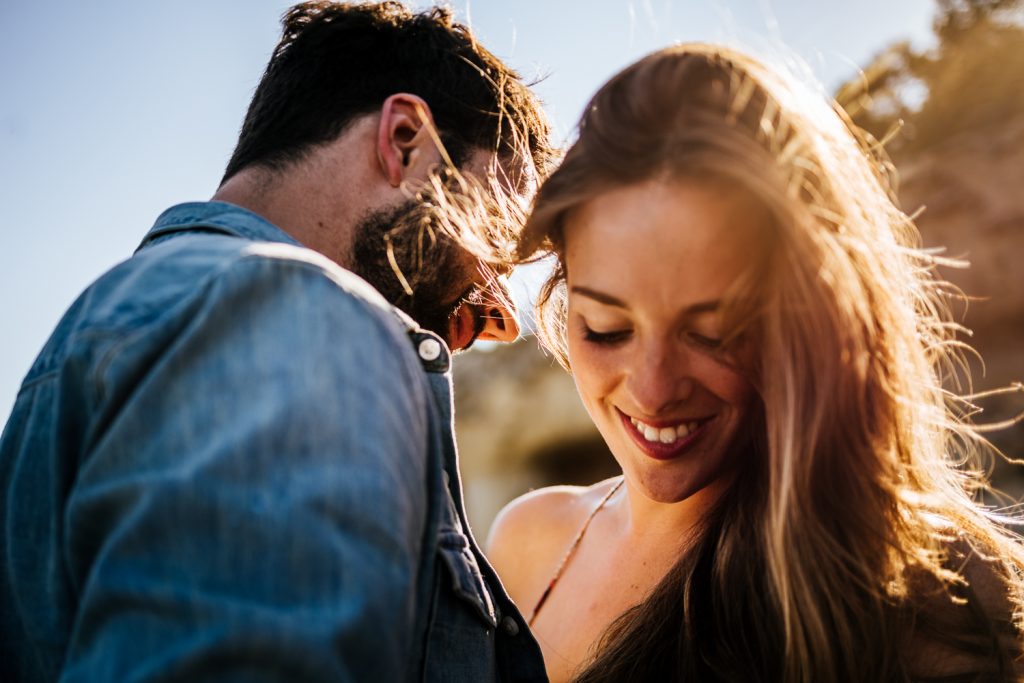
point(666, 439)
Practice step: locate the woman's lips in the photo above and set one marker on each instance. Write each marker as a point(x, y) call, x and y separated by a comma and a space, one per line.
point(685, 433)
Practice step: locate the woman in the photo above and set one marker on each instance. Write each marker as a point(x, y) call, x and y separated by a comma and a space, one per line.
point(758, 340)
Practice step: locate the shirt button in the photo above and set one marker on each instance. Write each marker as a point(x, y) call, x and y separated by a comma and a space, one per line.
point(509, 625)
point(430, 349)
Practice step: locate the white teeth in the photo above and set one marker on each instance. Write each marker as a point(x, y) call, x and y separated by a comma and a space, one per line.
point(664, 435)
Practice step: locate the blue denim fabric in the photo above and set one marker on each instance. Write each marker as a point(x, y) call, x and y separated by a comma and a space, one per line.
point(229, 463)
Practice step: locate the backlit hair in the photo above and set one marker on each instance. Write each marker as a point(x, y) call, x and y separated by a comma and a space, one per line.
point(838, 551)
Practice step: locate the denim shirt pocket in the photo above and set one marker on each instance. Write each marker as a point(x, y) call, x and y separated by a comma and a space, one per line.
point(461, 636)
point(467, 581)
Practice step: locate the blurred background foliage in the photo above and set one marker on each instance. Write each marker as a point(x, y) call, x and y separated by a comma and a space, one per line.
point(970, 80)
point(951, 118)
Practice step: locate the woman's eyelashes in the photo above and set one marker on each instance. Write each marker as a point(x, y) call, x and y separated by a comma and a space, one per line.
point(712, 343)
point(605, 338)
point(614, 337)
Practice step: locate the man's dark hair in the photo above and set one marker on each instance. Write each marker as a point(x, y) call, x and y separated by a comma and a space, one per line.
point(338, 61)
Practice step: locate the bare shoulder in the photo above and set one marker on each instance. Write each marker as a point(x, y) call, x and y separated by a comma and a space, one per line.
point(969, 629)
point(531, 534)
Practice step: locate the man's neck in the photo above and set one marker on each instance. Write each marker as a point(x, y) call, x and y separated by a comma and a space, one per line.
point(297, 204)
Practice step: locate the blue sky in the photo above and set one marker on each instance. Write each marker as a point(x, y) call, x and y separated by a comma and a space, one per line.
point(110, 112)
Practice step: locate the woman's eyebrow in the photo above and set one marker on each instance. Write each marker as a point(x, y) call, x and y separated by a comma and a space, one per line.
point(609, 300)
point(703, 307)
point(601, 297)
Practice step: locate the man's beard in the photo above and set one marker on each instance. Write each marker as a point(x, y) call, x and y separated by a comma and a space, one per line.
point(429, 262)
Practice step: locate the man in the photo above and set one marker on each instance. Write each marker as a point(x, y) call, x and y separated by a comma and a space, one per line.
point(233, 460)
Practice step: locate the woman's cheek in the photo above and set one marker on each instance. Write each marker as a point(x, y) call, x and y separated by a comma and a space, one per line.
point(593, 368)
point(730, 386)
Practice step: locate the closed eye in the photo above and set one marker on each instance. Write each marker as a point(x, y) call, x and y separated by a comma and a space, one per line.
point(706, 342)
point(606, 338)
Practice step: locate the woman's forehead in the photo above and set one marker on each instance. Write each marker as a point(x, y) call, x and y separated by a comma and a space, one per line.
point(659, 239)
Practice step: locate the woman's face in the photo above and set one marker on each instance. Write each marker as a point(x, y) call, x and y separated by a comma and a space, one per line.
point(647, 266)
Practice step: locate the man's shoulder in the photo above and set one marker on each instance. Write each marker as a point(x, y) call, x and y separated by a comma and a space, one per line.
point(192, 265)
point(186, 264)
point(169, 284)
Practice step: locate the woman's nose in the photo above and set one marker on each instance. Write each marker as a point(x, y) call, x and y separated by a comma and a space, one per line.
point(659, 380)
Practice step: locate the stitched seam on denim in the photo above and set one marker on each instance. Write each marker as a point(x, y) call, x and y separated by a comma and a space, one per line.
point(42, 377)
point(119, 342)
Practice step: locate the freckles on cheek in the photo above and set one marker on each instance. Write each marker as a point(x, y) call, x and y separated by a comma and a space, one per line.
point(741, 396)
point(725, 379)
point(592, 372)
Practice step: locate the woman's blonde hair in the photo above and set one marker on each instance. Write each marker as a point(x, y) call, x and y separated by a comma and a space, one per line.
point(858, 511)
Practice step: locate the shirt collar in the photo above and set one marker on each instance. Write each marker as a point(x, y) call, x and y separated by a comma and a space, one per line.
point(229, 219)
point(216, 217)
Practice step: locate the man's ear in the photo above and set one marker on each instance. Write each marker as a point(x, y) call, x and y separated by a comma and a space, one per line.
point(407, 142)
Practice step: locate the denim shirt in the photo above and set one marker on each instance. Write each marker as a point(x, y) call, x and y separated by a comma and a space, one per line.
point(233, 461)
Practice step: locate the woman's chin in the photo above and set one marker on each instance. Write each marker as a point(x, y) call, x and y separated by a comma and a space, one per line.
point(666, 488)
point(658, 490)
